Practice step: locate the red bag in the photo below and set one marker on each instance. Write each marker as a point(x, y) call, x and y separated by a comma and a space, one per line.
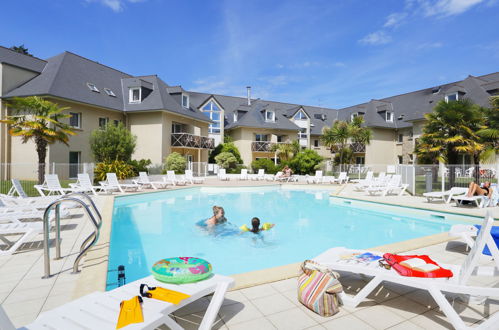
point(395, 260)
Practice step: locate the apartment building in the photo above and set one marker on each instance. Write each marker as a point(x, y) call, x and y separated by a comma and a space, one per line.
point(168, 118)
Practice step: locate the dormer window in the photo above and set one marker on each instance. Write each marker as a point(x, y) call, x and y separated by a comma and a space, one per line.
point(300, 115)
point(93, 88)
point(185, 101)
point(452, 97)
point(269, 115)
point(356, 114)
point(234, 117)
point(135, 95)
point(389, 116)
point(109, 92)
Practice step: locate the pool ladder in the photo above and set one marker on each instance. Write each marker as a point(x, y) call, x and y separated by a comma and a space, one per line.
point(93, 215)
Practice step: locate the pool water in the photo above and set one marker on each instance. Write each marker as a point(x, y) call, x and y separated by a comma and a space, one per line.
point(149, 227)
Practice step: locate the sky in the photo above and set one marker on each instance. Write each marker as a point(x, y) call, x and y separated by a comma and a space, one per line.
point(311, 52)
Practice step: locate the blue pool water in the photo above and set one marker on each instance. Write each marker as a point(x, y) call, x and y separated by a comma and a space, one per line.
point(149, 227)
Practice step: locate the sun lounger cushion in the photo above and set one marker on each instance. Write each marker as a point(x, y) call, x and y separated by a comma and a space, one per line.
point(495, 234)
point(395, 260)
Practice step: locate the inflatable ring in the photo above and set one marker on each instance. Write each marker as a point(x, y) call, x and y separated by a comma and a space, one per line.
point(181, 270)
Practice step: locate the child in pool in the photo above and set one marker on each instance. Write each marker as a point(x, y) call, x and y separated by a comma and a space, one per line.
point(255, 226)
point(217, 218)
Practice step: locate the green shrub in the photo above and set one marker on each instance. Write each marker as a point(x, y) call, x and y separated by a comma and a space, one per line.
point(175, 162)
point(226, 160)
point(121, 168)
point(236, 170)
point(225, 147)
point(305, 162)
point(114, 142)
point(265, 163)
point(139, 165)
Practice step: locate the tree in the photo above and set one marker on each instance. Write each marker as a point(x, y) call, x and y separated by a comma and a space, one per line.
point(225, 147)
point(305, 162)
point(264, 163)
point(490, 132)
point(38, 120)
point(451, 129)
point(226, 160)
point(114, 142)
point(21, 49)
point(286, 151)
point(175, 162)
point(341, 132)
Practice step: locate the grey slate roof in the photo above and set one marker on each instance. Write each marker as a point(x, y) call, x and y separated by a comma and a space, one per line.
point(23, 61)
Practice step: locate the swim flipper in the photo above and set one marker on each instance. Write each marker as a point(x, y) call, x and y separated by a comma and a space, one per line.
point(163, 294)
point(130, 312)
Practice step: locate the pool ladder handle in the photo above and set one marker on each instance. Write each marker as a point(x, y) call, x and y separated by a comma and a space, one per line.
point(92, 238)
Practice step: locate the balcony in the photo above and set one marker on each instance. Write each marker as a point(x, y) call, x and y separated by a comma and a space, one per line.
point(263, 146)
point(187, 140)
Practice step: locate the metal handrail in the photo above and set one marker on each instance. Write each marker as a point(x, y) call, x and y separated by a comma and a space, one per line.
point(46, 230)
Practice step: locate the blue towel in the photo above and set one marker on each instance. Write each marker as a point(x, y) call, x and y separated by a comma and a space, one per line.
point(495, 235)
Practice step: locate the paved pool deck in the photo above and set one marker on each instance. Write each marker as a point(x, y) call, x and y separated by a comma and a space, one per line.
point(24, 294)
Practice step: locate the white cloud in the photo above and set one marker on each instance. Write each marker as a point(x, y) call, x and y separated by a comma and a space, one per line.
point(429, 45)
point(115, 5)
point(395, 19)
point(447, 7)
point(376, 38)
point(339, 64)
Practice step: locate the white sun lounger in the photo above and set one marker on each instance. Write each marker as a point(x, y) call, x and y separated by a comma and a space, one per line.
point(146, 182)
point(331, 259)
point(52, 185)
point(222, 175)
point(464, 232)
point(171, 178)
point(84, 184)
point(258, 176)
point(14, 226)
point(274, 177)
point(100, 310)
point(446, 196)
point(392, 186)
point(480, 201)
point(342, 178)
point(315, 179)
point(112, 184)
point(189, 177)
point(244, 174)
point(367, 179)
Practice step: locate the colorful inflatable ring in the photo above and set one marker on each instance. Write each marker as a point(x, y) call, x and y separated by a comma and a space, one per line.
point(181, 270)
point(265, 226)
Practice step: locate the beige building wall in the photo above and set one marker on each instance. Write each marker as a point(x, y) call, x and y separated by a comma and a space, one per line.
point(322, 150)
point(382, 149)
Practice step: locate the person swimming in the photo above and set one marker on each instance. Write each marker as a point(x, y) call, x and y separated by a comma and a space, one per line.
point(255, 226)
point(217, 218)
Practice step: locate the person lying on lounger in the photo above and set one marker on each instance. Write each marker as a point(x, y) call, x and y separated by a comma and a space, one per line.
point(475, 190)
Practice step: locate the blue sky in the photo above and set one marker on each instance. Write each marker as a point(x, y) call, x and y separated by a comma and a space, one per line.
point(313, 52)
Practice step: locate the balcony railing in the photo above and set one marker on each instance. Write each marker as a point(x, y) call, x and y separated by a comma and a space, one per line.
point(192, 141)
point(358, 147)
point(262, 146)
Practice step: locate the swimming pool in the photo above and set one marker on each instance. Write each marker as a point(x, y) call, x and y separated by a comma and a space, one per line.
point(149, 227)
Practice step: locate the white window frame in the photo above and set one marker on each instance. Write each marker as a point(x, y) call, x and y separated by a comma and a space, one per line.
point(234, 116)
point(209, 114)
point(109, 92)
point(107, 121)
point(186, 105)
point(398, 138)
point(356, 114)
point(262, 135)
point(130, 95)
point(447, 97)
point(303, 115)
point(79, 119)
point(389, 116)
point(272, 115)
point(302, 134)
point(92, 87)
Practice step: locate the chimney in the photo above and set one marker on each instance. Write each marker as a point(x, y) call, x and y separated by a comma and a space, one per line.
point(248, 90)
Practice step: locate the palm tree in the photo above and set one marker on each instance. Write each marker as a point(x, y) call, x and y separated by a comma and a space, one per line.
point(39, 120)
point(490, 133)
point(338, 135)
point(286, 151)
point(451, 129)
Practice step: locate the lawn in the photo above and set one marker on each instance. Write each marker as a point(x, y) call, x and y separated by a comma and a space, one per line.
point(28, 186)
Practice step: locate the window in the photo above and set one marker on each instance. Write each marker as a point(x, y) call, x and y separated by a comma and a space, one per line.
point(109, 92)
point(103, 122)
point(280, 138)
point(212, 111)
point(261, 137)
point(400, 159)
point(75, 119)
point(300, 115)
point(360, 160)
point(116, 122)
point(316, 143)
point(303, 133)
point(411, 158)
point(177, 128)
point(185, 101)
point(93, 88)
point(389, 116)
point(451, 97)
point(411, 135)
point(356, 114)
point(400, 138)
point(269, 115)
point(135, 95)
point(234, 117)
